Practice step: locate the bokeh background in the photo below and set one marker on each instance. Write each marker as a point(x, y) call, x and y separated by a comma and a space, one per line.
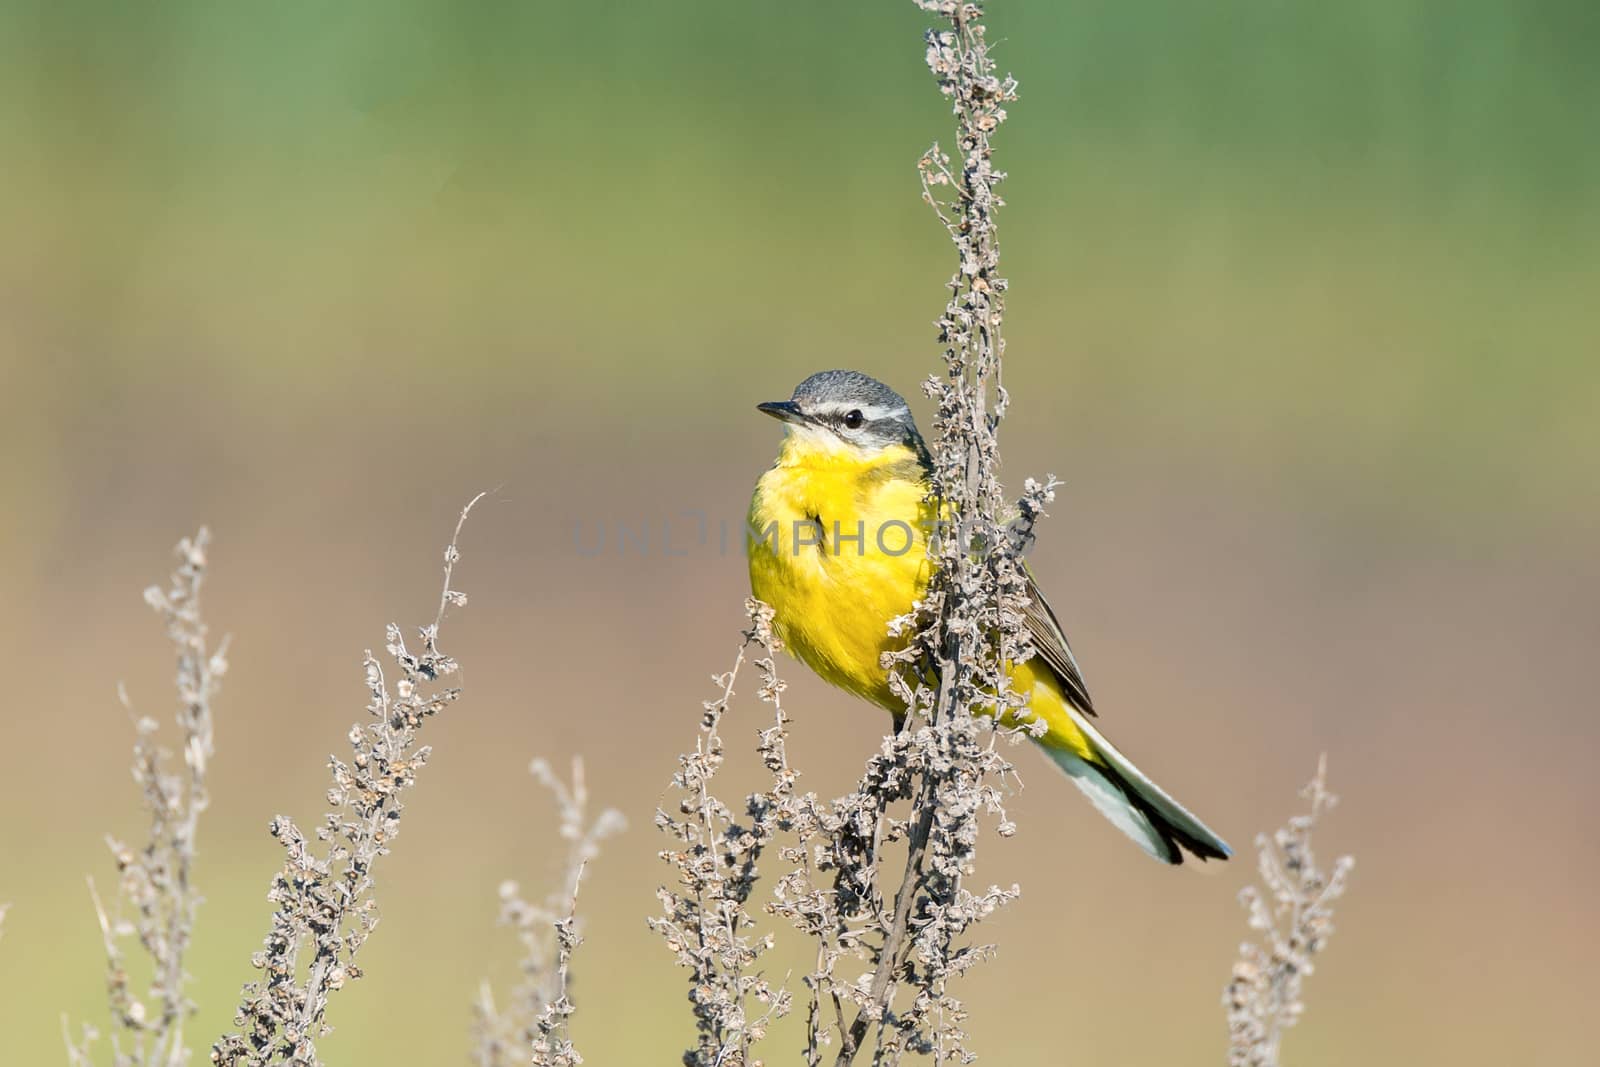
point(1303, 311)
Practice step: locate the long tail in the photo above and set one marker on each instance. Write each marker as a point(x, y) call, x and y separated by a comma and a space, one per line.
point(1136, 805)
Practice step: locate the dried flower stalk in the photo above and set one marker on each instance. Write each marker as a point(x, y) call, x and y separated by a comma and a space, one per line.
point(969, 625)
point(1293, 913)
point(945, 762)
point(534, 1021)
point(154, 884)
point(705, 920)
point(324, 901)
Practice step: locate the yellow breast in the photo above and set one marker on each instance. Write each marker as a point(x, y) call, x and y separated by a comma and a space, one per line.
point(837, 546)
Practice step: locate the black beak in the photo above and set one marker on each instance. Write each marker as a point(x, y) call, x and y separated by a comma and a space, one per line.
point(782, 410)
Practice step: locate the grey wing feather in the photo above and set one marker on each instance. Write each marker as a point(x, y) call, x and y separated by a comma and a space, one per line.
point(1050, 645)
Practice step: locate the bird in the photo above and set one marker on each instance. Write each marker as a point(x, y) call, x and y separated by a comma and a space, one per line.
point(837, 548)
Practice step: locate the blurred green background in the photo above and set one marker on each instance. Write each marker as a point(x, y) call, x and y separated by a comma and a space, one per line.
point(1302, 311)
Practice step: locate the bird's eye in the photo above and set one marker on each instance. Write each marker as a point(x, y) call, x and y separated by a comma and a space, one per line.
point(853, 419)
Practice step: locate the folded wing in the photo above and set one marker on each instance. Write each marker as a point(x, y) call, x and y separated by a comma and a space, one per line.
point(1050, 645)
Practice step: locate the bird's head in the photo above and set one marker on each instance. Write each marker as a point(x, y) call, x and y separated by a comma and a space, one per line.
point(846, 411)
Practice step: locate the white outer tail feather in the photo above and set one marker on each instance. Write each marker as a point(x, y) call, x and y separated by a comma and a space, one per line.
point(1110, 801)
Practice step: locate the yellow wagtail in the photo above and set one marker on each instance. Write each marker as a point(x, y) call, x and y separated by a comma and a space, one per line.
point(837, 543)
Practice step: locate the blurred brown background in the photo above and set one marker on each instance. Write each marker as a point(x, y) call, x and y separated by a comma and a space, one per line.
point(1302, 312)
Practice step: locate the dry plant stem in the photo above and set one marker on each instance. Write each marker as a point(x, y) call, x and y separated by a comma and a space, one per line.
point(1292, 912)
point(324, 903)
point(968, 625)
point(942, 761)
point(552, 1043)
point(535, 1020)
point(155, 880)
point(705, 920)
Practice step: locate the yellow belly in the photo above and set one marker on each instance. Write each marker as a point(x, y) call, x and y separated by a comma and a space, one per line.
point(838, 549)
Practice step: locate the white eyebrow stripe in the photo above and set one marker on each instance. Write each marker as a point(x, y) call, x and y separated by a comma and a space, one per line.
point(870, 412)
